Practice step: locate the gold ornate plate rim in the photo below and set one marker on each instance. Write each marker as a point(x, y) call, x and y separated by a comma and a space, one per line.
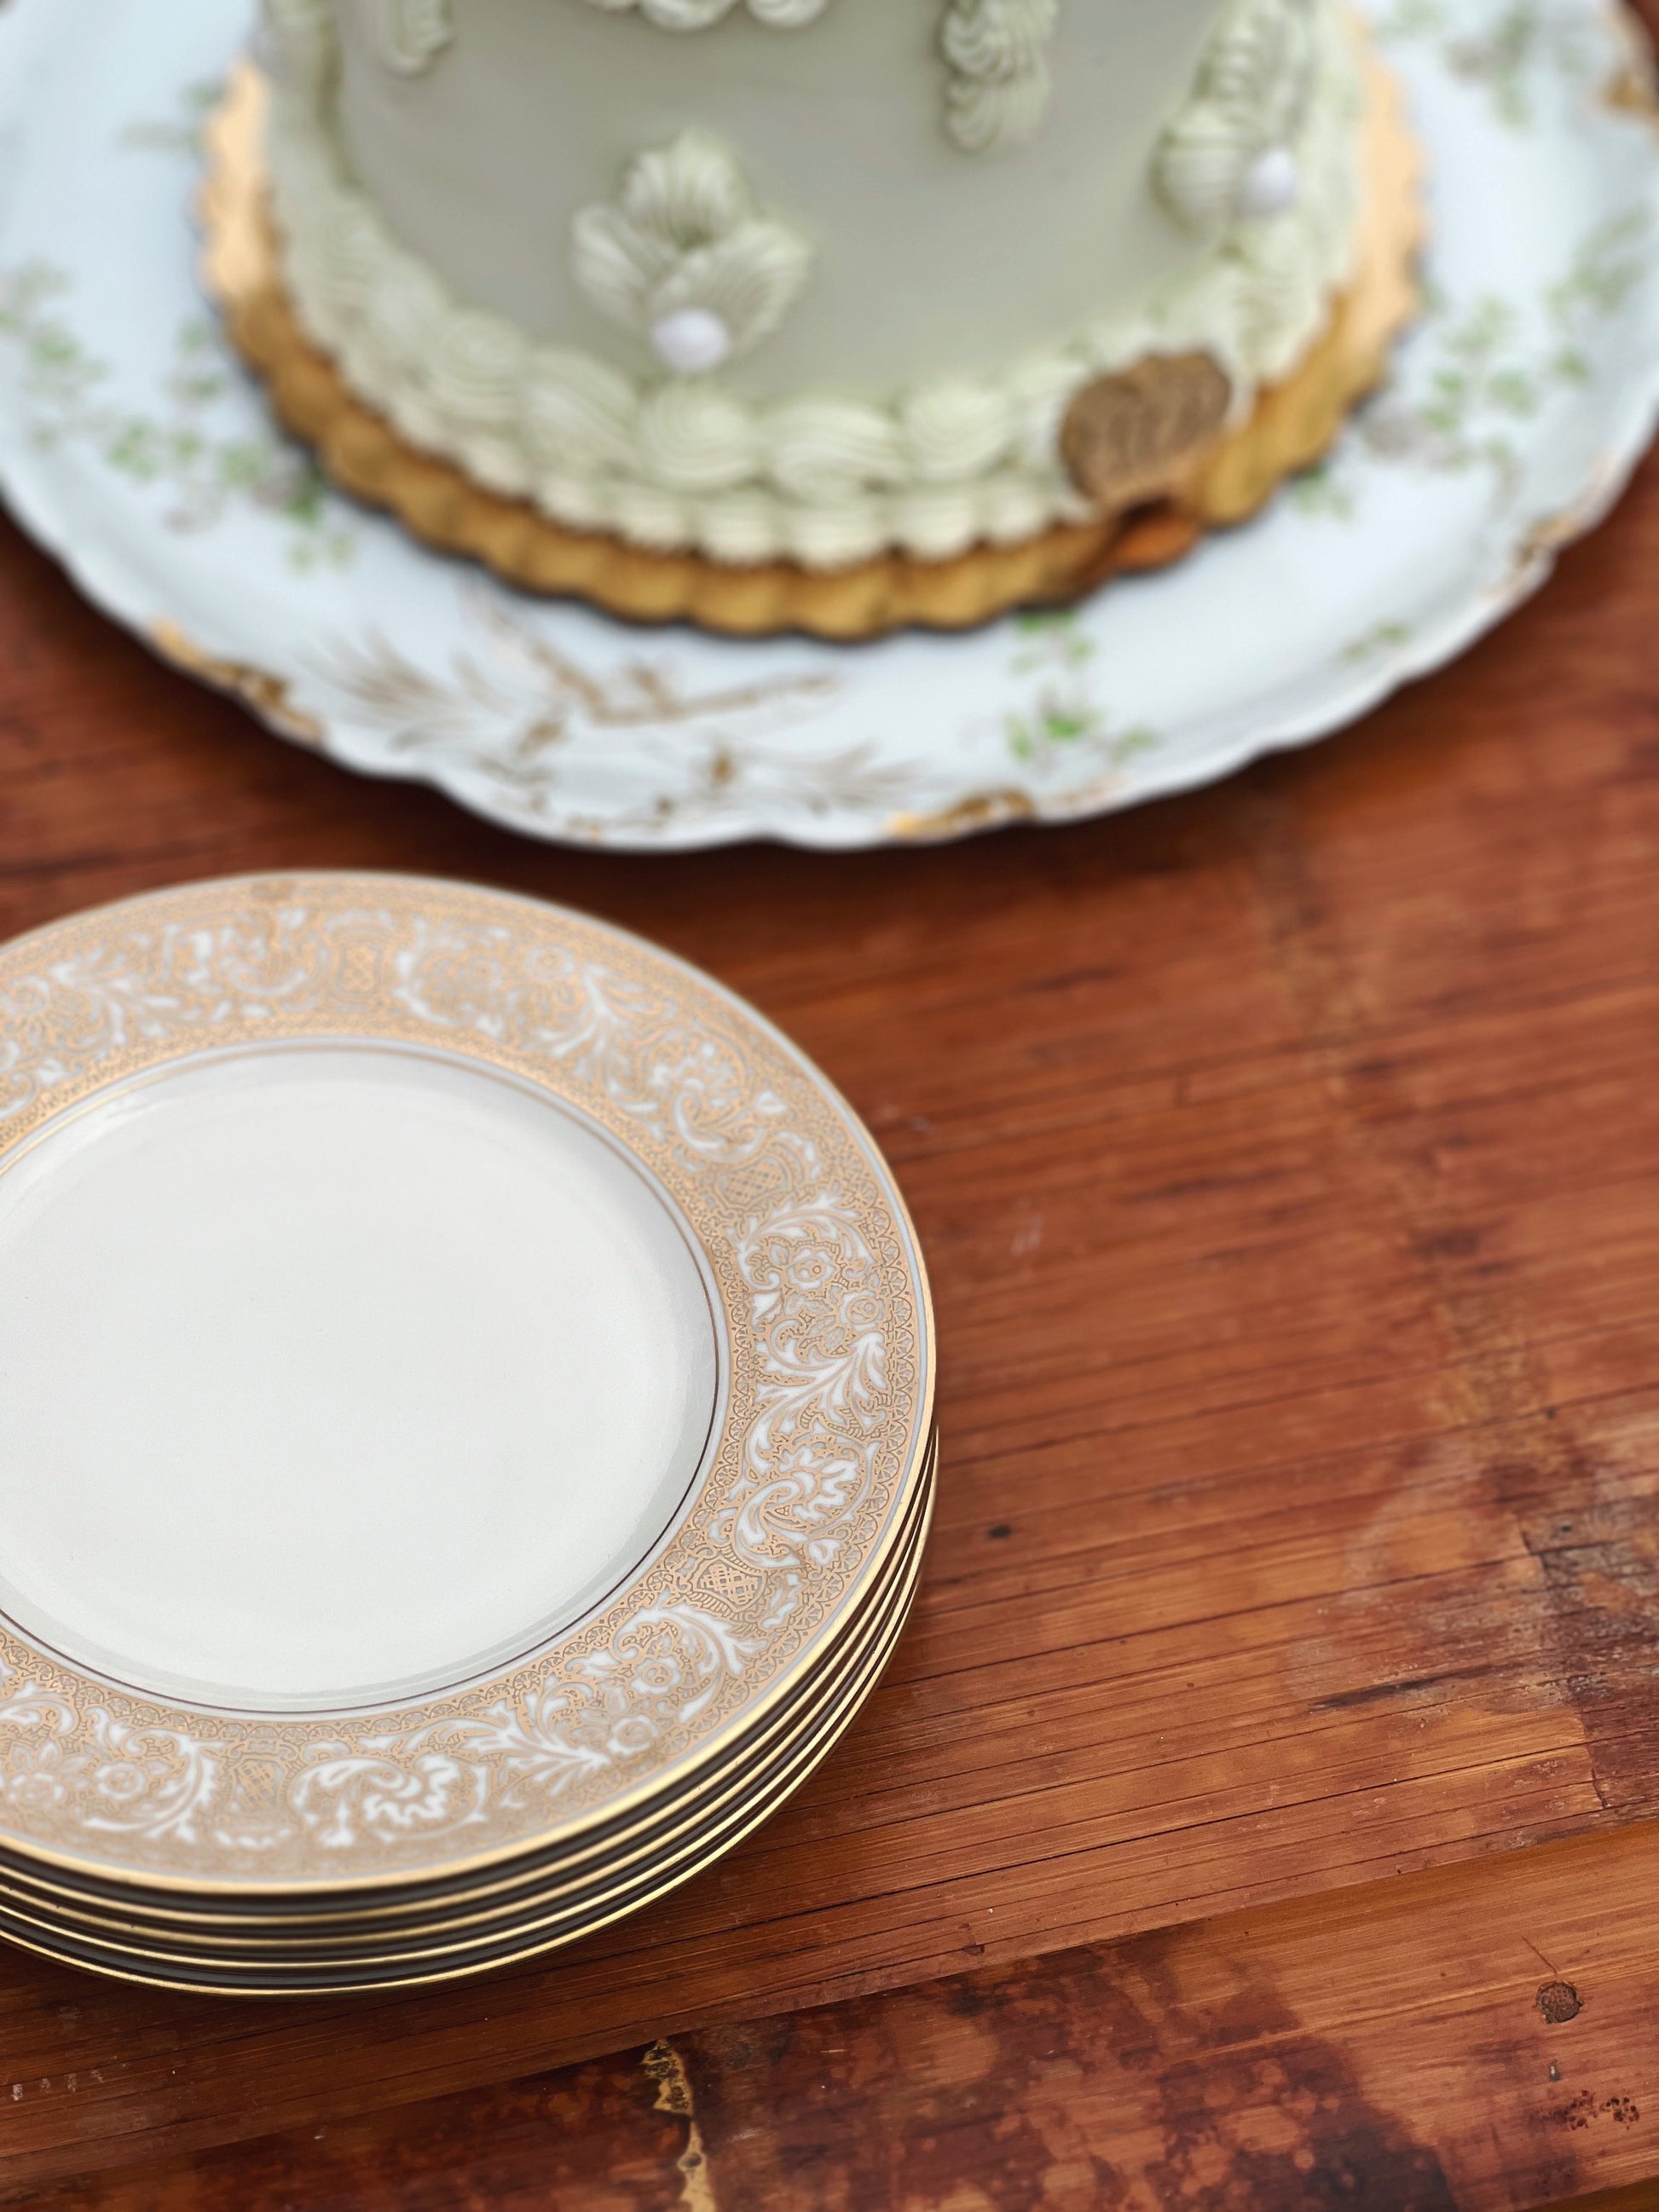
point(459, 1904)
point(547, 1917)
point(113, 1964)
point(830, 1400)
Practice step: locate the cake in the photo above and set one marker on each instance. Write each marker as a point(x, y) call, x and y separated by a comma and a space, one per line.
point(811, 290)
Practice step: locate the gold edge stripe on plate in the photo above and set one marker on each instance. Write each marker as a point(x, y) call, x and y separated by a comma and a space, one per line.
point(450, 1906)
point(442, 896)
point(121, 1967)
point(704, 1837)
point(536, 1907)
point(846, 1685)
point(703, 1852)
point(308, 1974)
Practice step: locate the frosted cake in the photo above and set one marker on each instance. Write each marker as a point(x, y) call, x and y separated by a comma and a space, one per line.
point(815, 290)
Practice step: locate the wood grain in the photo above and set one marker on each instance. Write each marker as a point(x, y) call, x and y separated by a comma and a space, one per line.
point(1288, 1160)
point(1385, 2050)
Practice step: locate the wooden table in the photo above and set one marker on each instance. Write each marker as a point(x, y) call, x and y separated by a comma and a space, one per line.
point(1257, 1816)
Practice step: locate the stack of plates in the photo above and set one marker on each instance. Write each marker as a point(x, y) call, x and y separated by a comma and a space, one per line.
point(465, 1431)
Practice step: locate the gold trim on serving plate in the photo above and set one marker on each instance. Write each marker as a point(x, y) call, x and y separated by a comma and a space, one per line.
point(550, 1911)
point(544, 1924)
point(1292, 425)
point(825, 1306)
point(271, 696)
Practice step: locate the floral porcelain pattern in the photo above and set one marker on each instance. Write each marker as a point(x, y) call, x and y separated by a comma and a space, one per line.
point(826, 1314)
point(134, 447)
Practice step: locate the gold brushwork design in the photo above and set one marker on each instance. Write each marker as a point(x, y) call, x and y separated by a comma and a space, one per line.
point(269, 697)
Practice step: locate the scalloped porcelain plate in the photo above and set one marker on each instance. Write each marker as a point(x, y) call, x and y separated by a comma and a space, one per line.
point(134, 447)
point(465, 1404)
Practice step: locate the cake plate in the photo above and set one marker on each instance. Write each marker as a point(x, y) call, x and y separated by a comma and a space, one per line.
point(134, 447)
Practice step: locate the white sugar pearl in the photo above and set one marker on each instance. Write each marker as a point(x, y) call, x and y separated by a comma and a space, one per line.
point(691, 341)
point(1272, 184)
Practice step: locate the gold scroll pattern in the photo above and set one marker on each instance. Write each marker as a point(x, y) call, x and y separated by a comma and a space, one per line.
point(823, 1302)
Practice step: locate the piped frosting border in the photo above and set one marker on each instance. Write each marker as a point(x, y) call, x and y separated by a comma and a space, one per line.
point(677, 464)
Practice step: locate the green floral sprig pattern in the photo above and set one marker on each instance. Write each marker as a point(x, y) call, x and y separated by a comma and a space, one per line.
point(1061, 721)
point(1483, 369)
point(205, 444)
point(1505, 54)
point(189, 447)
point(1516, 412)
point(180, 133)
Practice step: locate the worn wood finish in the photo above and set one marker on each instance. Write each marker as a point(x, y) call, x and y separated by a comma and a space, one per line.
point(1415, 2048)
point(1287, 1157)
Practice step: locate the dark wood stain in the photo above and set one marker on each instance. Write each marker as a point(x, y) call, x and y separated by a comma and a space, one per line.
point(1243, 2113)
point(1559, 2002)
point(1390, 2050)
point(1288, 1158)
point(593, 2136)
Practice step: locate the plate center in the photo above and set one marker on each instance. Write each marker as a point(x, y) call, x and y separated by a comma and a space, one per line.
point(330, 1375)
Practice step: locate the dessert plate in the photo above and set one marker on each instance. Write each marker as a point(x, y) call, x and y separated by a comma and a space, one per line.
point(540, 1921)
point(567, 1884)
point(134, 447)
point(467, 1404)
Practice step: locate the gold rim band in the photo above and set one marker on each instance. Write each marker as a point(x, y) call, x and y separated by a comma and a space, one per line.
point(151, 1970)
point(510, 1904)
point(338, 943)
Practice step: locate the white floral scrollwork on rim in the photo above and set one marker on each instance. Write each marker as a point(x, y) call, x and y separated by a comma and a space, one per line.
point(523, 1754)
point(685, 257)
point(800, 1239)
point(410, 34)
point(821, 1398)
point(1000, 78)
point(154, 1784)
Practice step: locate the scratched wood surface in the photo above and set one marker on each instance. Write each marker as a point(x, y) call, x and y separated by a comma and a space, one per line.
point(1403, 2048)
point(1286, 1158)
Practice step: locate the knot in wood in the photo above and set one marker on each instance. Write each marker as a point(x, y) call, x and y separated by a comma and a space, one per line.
point(1559, 2002)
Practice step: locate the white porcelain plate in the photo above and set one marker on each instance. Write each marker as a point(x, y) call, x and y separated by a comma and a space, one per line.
point(134, 447)
point(457, 1369)
point(269, 1315)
